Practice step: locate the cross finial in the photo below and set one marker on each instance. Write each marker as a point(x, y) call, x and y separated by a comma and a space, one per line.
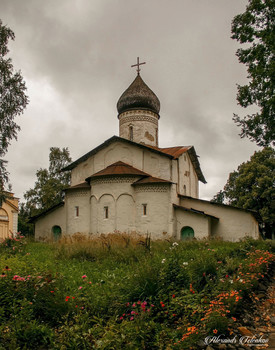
point(137, 65)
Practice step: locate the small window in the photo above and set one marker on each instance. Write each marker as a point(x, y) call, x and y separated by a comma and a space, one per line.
point(76, 212)
point(106, 212)
point(144, 209)
point(131, 133)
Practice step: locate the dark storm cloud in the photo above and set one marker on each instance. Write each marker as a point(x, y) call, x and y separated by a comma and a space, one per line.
point(76, 54)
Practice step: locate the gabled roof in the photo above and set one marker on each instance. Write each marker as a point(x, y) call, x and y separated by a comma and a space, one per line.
point(253, 212)
point(151, 180)
point(194, 211)
point(107, 143)
point(45, 212)
point(175, 152)
point(170, 152)
point(118, 168)
point(82, 185)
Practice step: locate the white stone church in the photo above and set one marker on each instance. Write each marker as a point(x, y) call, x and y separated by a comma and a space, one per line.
point(130, 184)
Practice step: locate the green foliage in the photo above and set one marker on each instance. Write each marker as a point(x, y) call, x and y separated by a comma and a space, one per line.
point(256, 27)
point(49, 185)
point(127, 298)
point(13, 101)
point(252, 187)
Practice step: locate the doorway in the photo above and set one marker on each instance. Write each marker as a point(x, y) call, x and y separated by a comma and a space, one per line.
point(186, 233)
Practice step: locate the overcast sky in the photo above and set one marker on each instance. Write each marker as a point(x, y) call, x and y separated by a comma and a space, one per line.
point(75, 56)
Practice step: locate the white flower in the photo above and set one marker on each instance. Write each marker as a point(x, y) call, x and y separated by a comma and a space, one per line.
point(185, 263)
point(175, 244)
point(163, 261)
point(231, 281)
point(241, 280)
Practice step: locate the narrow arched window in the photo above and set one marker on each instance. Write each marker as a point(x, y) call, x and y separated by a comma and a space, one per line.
point(131, 133)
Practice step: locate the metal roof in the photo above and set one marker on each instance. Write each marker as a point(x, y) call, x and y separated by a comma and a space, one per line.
point(118, 168)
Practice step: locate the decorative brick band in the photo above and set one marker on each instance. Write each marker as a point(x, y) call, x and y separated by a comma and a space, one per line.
point(151, 188)
point(116, 179)
point(130, 116)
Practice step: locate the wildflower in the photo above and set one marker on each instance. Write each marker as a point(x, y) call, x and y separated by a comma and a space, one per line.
point(175, 244)
point(173, 296)
point(121, 318)
point(84, 276)
point(80, 287)
point(185, 263)
point(215, 331)
point(134, 305)
point(231, 281)
point(234, 319)
point(52, 291)
point(131, 318)
point(163, 261)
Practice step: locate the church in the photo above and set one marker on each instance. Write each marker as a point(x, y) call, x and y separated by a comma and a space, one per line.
point(129, 184)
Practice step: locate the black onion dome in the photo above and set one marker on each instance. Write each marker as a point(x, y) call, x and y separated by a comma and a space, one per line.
point(138, 95)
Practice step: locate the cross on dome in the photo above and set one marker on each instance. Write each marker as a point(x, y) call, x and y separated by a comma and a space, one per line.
point(137, 65)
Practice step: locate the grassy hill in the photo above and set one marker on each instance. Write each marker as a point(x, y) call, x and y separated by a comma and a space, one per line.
point(120, 293)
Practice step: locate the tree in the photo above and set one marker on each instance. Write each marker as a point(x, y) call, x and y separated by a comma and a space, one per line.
point(252, 186)
point(256, 27)
point(13, 101)
point(48, 187)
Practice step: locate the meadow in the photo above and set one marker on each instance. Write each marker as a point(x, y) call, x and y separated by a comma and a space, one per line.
point(118, 292)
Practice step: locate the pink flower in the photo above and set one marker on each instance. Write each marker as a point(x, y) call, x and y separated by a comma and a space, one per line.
point(84, 276)
point(80, 287)
point(131, 318)
point(134, 305)
point(121, 318)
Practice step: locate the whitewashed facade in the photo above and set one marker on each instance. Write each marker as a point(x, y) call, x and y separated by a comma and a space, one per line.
point(129, 184)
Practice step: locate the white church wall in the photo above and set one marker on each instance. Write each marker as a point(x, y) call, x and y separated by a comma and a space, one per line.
point(157, 165)
point(199, 223)
point(149, 162)
point(82, 171)
point(118, 152)
point(117, 194)
point(106, 222)
point(125, 213)
point(77, 211)
point(233, 224)
point(188, 179)
point(156, 220)
point(45, 224)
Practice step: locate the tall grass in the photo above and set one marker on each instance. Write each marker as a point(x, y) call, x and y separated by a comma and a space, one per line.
point(121, 291)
